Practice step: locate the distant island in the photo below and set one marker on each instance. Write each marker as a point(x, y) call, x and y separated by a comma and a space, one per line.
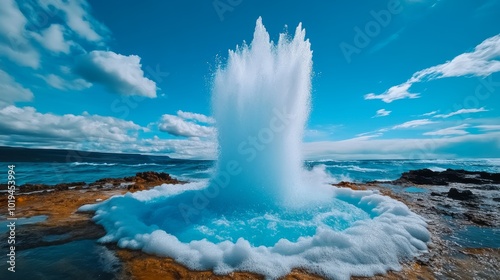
point(18, 154)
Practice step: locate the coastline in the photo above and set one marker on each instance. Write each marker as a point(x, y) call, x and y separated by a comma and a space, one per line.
point(445, 214)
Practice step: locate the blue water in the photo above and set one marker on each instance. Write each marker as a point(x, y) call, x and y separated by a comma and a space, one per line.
point(415, 190)
point(54, 173)
point(21, 221)
point(477, 237)
point(192, 170)
point(84, 259)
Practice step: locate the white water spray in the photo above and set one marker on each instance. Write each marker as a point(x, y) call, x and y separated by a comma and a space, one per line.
point(261, 102)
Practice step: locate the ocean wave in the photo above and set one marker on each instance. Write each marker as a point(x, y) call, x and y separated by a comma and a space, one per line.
point(93, 164)
point(332, 160)
point(355, 168)
point(437, 169)
point(385, 179)
point(464, 162)
point(142, 164)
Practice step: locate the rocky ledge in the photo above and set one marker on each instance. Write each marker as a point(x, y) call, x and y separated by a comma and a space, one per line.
point(444, 178)
point(140, 181)
point(448, 209)
point(461, 208)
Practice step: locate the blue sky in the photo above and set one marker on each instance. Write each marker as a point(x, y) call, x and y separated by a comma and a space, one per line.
point(392, 79)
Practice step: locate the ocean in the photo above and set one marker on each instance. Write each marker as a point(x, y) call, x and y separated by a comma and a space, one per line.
point(38, 166)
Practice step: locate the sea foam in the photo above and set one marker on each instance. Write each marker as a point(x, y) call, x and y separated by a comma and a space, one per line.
point(363, 233)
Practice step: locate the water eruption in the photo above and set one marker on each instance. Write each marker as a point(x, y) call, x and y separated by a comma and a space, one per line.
point(261, 101)
point(262, 211)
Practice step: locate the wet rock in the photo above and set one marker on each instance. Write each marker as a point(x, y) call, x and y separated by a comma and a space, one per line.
point(453, 193)
point(422, 177)
point(472, 205)
point(445, 205)
point(142, 179)
point(475, 219)
point(136, 187)
point(436, 194)
point(350, 185)
point(429, 177)
point(488, 188)
point(41, 187)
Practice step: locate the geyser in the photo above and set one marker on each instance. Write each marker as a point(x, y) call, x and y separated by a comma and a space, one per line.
point(261, 103)
point(262, 212)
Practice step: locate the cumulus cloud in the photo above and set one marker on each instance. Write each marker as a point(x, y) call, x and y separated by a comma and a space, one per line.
point(14, 43)
point(25, 126)
point(78, 17)
point(52, 39)
point(65, 84)
point(28, 125)
point(52, 32)
point(184, 125)
point(454, 130)
point(461, 111)
point(11, 91)
point(382, 113)
point(412, 124)
point(482, 61)
point(119, 73)
point(191, 148)
point(195, 116)
point(12, 21)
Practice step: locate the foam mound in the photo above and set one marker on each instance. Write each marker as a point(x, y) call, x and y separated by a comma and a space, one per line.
point(360, 233)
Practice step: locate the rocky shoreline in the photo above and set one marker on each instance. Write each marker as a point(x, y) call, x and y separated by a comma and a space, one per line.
point(452, 201)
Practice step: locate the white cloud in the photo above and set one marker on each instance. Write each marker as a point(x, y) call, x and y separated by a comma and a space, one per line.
point(13, 41)
point(195, 116)
point(482, 61)
point(22, 54)
point(29, 128)
point(489, 127)
point(429, 113)
point(382, 113)
point(454, 130)
point(78, 18)
point(52, 39)
point(190, 148)
point(119, 73)
point(179, 126)
point(394, 93)
point(410, 148)
point(12, 21)
point(27, 122)
point(461, 111)
point(50, 32)
point(412, 124)
point(65, 84)
point(11, 91)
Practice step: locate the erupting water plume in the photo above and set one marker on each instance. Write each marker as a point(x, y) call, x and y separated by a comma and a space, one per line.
point(262, 212)
point(261, 102)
